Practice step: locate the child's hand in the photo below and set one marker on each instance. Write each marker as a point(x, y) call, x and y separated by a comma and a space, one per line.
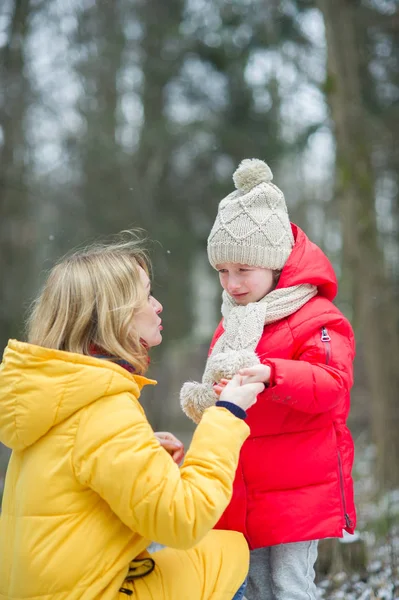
point(255, 374)
point(172, 445)
point(219, 387)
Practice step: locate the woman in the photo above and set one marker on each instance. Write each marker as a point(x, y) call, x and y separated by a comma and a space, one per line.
point(89, 485)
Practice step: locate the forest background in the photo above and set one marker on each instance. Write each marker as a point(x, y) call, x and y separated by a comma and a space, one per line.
point(134, 113)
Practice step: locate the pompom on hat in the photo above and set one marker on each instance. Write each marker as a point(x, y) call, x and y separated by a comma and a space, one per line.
point(252, 226)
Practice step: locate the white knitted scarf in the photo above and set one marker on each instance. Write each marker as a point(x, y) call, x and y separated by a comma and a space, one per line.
point(235, 349)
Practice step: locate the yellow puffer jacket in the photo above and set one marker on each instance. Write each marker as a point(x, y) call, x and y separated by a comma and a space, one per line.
point(88, 485)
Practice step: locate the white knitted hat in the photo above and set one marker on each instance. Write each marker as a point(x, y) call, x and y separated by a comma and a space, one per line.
point(252, 226)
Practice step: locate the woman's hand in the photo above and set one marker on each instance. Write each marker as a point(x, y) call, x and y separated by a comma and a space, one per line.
point(257, 373)
point(172, 445)
point(238, 392)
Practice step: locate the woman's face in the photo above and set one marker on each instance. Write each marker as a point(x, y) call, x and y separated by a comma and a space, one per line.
point(244, 283)
point(147, 322)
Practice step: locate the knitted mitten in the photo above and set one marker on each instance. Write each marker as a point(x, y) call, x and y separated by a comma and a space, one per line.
point(196, 397)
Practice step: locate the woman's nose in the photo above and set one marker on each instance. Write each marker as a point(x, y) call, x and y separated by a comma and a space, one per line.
point(158, 307)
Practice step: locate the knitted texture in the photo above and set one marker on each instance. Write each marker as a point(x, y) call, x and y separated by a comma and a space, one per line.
point(252, 226)
point(235, 348)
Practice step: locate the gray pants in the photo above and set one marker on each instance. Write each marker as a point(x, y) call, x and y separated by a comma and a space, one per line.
point(283, 572)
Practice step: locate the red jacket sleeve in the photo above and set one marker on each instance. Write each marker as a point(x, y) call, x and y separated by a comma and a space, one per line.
point(318, 379)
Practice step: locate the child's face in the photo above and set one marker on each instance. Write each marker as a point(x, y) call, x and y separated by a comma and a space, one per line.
point(245, 283)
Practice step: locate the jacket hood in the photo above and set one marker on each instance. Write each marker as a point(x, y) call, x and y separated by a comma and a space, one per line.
point(307, 263)
point(41, 387)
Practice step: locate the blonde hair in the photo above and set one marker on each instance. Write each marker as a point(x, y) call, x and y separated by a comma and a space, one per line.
point(91, 297)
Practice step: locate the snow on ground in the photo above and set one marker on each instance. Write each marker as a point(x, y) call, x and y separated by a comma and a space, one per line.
point(378, 526)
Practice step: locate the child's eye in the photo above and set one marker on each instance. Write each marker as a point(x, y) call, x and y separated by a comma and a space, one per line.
point(222, 270)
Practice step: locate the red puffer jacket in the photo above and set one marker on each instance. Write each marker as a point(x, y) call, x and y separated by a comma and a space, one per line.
point(293, 482)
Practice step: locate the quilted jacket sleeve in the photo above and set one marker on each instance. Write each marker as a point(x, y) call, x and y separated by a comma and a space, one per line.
point(320, 377)
point(117, 455)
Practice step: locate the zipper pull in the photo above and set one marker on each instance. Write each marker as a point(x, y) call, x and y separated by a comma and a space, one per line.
point(324, 335)
point(348, 521)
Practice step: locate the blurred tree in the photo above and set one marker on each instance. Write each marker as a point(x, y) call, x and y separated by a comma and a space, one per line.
point(158, 207)
point(17, 230)
point(233, 80)
point(373, 290)
point(243, 44)
point(100, 43)
point(128, 54)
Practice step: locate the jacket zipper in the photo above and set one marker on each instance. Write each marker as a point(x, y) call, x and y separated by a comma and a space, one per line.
point(348, 520)
point(325, 338)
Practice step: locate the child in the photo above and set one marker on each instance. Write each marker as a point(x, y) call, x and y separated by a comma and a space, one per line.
point(293, 485)
point(89, 484)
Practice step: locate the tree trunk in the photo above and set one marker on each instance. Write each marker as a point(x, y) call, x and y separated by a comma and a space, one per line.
point(341, 556)
point(159, 206)
point(16, 231)
point(101, 39)
point(376, 314)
